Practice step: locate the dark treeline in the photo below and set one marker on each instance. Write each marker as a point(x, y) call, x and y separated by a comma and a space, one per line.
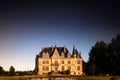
point(104, 58)
point(12, 72)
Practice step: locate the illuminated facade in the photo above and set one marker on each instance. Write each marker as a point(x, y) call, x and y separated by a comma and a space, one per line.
point(57, 59)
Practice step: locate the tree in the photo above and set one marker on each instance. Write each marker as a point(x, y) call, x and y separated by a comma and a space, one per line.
point(35, 71)
point(1, 70)
point(98, 58)
point(93, 69)
point(12, 71)
point(105, 57)
point(86, 67)
point(114, 56)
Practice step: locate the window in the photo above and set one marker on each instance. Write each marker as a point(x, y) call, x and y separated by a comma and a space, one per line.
point(56, 68)
point(62, 62)
point(62, 55)
point(62, 68)
point(78, 68)
point(72, 61)
point(45, 68)
point(78, 62)
point(47, 62)
point(56, 61)
point(43, 62)
point(69, 62)
point(69, 68)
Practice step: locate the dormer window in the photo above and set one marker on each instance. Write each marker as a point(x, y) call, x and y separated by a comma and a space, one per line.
point(47, 55)
point(74, 55)
point(62, 55)
point(78, 56)
point(43, 55)
point(69, 55)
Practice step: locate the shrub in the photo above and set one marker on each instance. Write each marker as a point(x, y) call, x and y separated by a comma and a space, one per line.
point(49, 73)
point(66, 72)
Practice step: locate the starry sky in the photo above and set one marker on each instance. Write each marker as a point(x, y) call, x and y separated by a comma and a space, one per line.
point(28, 25)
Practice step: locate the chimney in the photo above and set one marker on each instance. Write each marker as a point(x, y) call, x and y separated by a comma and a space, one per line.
point(64, 48)
point(43, 48)
point(55, 46)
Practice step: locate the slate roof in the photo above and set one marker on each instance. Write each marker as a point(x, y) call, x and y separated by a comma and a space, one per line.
point(60, 50)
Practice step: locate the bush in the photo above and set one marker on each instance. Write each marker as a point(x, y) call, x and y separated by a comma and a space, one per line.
point(66, 72)
point(49, 73)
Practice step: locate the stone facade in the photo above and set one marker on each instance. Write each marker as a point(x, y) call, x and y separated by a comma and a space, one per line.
point(55, 59)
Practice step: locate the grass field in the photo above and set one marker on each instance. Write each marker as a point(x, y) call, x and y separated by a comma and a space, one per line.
point(39, 77)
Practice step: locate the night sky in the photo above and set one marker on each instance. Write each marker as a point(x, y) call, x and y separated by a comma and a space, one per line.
point(28, 25)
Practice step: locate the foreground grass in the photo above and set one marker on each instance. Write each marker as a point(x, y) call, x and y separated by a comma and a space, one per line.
point(17, 77)
point(93, 78)
point(35, 77)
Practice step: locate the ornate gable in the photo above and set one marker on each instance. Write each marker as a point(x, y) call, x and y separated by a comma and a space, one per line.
point(55, 54)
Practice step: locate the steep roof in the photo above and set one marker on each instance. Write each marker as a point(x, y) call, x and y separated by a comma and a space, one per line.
point(75, 52)
point(50, 51)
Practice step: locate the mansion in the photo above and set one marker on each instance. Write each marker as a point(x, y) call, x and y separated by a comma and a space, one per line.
point(56, 59)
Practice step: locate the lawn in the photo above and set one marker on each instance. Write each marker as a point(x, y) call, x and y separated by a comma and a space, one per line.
point(35, 77)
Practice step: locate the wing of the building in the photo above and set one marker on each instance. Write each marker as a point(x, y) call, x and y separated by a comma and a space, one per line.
point(56, 59)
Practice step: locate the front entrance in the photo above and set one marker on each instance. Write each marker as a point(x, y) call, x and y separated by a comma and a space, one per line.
point(56, 69)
